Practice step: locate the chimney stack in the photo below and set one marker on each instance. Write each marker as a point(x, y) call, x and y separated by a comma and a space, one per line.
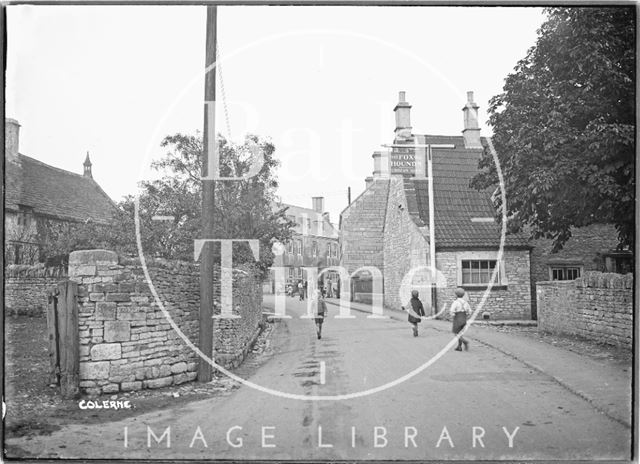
point(471, 131)
point(318, 204)
point(87, 167)
point(11, 140)
point(403, 118)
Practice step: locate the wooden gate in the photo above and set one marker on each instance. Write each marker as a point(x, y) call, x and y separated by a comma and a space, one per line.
point(62, 328)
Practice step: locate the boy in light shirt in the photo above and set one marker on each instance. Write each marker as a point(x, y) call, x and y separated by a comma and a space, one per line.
point(460, 310)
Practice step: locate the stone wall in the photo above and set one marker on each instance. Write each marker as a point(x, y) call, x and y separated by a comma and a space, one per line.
point(127, 343)
point(27, 288)
point(583, 248)
point(507, 301)
point(362, 228)
point(405, 247)
point(597, 306)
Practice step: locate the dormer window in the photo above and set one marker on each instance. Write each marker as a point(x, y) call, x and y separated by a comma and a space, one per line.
point(24, 215)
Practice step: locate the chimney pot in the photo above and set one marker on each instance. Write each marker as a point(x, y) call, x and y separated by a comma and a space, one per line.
point(318, 204)
point(11, 139)
point(403, 117)
point(471, 131)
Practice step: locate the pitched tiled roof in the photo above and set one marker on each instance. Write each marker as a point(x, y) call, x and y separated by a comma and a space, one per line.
point(455, 202)
point(55, 192)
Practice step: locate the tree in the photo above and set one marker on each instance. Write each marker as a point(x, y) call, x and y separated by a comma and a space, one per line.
point(564, 127)
point(243, 209)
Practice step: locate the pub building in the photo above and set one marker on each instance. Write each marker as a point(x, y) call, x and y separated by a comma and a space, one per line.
point(388, 226)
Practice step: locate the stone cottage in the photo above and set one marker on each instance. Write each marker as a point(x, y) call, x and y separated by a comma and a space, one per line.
point(36, 191)
point(314, 244)
point(387, 226)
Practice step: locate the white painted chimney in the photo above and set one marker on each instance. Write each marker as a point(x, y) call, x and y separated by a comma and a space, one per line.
point(403, 117)
point(318, 204)
point(471, 131)
point(11, 140)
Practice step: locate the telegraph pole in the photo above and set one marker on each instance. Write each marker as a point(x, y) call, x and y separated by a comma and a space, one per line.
point(432, 230)
point(205, 340)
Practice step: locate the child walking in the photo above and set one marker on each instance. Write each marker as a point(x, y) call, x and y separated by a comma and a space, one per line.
point(460, 310)
point(416, 311)
point(321, 312)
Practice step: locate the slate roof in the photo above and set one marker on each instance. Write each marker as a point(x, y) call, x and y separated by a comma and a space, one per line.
point(54, 192)
point(455, 203)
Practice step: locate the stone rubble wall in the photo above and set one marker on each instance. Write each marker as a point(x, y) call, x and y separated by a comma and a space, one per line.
point(27, 295)
point(597, 306)
point(126, 341)
point(583, 247)
point(27, 288)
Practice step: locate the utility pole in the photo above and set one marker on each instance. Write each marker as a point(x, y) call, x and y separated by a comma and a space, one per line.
point(205, 340)
point(432, 232)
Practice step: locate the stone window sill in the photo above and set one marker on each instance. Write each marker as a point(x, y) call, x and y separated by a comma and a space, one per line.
point(484, 287)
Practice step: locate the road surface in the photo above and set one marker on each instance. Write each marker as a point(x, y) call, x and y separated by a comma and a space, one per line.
point(479, 404)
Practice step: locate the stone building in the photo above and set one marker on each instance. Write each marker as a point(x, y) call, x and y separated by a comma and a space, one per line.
point(590, 248)
point(387, 226)
point(35, 191)
point(314, 244)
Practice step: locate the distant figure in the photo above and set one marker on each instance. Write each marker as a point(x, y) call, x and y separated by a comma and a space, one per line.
point(460, 309)
point(321, 311)
point(306, 295)
point(328, 286)
point(334, 289)
point(416, 311)
point(290, 290)
point(301, 290)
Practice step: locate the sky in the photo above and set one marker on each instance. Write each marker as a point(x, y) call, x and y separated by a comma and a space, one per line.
point(320, 82)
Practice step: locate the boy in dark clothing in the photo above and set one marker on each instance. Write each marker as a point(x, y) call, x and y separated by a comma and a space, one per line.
point(416, 311)
point(321, 312)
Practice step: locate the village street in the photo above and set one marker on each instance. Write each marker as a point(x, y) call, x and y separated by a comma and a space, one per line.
point(433, 415)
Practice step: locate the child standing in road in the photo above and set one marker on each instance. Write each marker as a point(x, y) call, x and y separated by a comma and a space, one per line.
point(460, 310)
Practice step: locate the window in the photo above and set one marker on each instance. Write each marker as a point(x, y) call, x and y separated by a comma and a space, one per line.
point(478, 271)
point(333, 250)
point(298, 247)
point(476, 268)
point(24, 215)
point(289, 246)
point(314, 249)
point(17, 254)
point(565, 272)
point(620, 262)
